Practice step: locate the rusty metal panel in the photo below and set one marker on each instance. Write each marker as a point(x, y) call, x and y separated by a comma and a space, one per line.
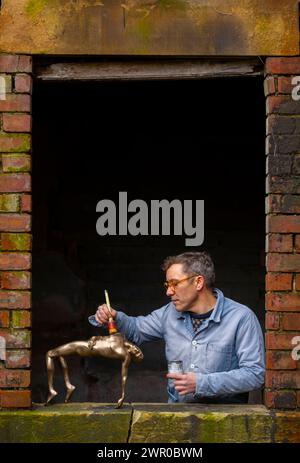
point(150, 27)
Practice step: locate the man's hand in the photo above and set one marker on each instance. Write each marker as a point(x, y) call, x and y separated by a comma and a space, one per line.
point(102, 315)
point(184, 383)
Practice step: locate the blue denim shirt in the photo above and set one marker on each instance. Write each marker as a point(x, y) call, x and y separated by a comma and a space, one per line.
point(226, 352)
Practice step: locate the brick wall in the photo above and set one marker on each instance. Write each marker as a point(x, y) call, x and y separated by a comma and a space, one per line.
point(15, 226)
point(283, 233)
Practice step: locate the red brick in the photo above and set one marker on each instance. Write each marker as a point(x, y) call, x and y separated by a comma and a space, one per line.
point(297, 243)
point(10, 183)
point(16, 122)
point(279, 341)
point(278, 360)
point(25, 203)
point(273, 203)
point(15, 242)
point(283, 223)
point(16, 339)
point(8, 63)
point(283, 301)
point(272, 321)
point(15, 261)
point(279, 281)
point(283, 184)
point(15, 280)
point(277, 242)
point(275, 103)
point(18, 358)
point(16, 103)
point(291, 321)
point(290, 204)
point(285, 85)
point(16, 162)
point(14, 378)
point(15, 222)
point(21, 319)
point(15, 399)
point(9, 202)
point(283, 379)
point(278, 125)
point(269, 86)
point(288, 65)
point(4, 319)
point(14, 142)
point(280, 399)
point(23, 83)
point(283, 262)
point(297, 282)
point(25, 63)
point(15, 299)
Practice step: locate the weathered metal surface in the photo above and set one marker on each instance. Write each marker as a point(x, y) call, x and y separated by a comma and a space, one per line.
point(150, 27)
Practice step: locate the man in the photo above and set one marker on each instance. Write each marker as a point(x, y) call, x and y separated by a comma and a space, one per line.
point(218, 340)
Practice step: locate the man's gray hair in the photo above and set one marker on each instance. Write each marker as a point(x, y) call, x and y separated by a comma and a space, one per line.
point(194, 263)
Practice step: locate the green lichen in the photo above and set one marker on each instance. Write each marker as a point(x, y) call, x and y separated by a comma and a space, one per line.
point(9, 203)
point(34, 7)
point(80, 423)
point(143, 30)
point(16, 241)
point(173, 4)
point(15, 142)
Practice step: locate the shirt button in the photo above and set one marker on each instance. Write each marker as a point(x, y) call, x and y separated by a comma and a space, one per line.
point(194, 343)
point(192, 365)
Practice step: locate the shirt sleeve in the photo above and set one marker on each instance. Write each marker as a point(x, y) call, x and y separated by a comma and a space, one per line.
point(142, 328)
point(249, 375)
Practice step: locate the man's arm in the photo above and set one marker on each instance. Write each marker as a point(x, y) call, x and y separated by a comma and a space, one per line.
point(136, 329)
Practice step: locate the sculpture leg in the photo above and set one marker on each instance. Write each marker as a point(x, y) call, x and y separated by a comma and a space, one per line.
point(124, 375)
point(50, 373)
point(69, 386)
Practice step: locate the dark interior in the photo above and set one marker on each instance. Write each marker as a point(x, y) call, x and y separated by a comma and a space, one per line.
point(200, 139)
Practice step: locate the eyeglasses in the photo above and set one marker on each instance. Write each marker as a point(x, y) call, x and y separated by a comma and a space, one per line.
point(173, 283)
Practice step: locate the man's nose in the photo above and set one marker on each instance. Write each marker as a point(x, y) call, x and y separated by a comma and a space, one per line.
point(170, 291)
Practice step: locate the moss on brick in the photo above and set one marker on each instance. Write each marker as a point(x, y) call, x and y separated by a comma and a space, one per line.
point(16, 241)
point(74, 423)
point(20, 319)
point(16, 162)
point(15, 142)
point(200, 423)
point(149, 423)
point(8, 82)
point(9, 203)
point(34, 7)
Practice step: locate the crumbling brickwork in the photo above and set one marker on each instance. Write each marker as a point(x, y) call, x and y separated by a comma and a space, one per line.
point(283, 234)
point(15, 226)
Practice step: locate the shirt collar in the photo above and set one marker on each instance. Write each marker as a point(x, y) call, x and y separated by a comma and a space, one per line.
point(216, 313)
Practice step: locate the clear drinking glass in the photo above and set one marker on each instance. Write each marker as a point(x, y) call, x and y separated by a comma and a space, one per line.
point(175, 366)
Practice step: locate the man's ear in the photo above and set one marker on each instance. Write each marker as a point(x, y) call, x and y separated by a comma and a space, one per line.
point(200, 282)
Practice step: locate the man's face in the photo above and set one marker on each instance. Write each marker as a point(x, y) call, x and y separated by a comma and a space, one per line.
point(184, 295)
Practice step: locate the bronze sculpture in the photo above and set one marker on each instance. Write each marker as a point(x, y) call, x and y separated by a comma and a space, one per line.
point(114, 346)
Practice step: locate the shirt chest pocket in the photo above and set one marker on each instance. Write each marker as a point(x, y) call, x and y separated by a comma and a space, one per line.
point(218, 357)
